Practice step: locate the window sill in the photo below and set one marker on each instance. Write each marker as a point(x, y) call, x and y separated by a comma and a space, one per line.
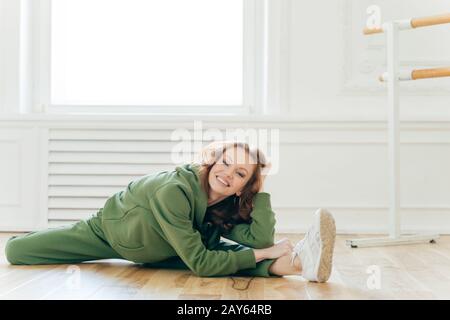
point(146, 117)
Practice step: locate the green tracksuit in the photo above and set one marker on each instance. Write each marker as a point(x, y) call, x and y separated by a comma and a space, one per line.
point(158, 221)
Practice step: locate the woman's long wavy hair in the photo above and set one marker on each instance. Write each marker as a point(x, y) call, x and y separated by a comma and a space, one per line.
point(234, 209)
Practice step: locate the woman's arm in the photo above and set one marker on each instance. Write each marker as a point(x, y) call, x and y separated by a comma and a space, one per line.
point(261, 232)
point(171, 209)
point(281, 248)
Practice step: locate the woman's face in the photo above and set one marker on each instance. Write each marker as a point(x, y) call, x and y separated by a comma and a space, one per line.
point(231, 172)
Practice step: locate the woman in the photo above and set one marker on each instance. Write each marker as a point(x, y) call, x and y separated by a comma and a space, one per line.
point(175, 219)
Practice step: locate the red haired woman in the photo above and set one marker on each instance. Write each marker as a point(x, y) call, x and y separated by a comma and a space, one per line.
point(175, 219)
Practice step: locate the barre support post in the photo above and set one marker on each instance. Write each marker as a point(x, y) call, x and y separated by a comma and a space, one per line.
point(393, 76)
point(393, 129)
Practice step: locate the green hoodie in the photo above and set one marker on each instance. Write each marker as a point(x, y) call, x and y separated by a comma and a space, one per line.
point(161, 215)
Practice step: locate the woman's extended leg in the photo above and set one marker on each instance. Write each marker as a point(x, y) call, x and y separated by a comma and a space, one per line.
point(313, 255)
point(265, 268)
point(283, 267)
point(82, 241)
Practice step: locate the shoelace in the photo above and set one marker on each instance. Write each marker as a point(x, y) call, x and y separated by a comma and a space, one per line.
point(299, 246)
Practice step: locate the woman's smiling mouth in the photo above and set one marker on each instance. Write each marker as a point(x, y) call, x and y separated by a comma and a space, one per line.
point(222, 181)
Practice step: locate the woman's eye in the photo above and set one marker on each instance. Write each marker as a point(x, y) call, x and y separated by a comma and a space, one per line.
point(225, 163)
point(241, 174)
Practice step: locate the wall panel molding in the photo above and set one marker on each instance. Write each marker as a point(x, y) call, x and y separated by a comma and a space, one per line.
point(338, 165)
point(20, 189)
point(362, 79)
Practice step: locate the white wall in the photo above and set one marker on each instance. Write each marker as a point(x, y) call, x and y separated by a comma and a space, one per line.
point(333, 132)
point(332, 75)
point(334, 67)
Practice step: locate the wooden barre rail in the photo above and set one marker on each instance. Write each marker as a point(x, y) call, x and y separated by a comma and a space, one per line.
point(430, 73)
point(415, 23)
point(421, 74)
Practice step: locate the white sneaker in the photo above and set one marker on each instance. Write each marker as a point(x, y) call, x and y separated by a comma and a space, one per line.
point(315, 250)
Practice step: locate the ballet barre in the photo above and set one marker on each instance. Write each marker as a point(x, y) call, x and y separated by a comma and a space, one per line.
point(412, 23)
point(419, 74)
point(391, 29)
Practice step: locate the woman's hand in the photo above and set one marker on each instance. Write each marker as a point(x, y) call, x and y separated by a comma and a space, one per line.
point(280, 248)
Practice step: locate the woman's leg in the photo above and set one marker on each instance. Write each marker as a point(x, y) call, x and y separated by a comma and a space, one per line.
point(265, 268)
point(283, 267)
point(262, 268)
point(82, 241)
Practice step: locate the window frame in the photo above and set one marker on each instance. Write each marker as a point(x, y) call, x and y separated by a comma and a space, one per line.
point(253, 72)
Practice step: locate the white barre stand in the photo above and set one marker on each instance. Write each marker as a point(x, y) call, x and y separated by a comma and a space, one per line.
point(392, 43)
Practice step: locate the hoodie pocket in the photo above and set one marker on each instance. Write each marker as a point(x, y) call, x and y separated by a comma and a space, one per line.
point(134, 238)
point(128, 232)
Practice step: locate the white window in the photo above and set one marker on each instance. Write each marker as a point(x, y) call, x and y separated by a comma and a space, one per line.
point(149, 56)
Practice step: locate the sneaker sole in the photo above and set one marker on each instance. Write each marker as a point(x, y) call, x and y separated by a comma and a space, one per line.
point(327, 236)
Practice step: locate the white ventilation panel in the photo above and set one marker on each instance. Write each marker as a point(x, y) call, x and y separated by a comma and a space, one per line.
point(87, 166)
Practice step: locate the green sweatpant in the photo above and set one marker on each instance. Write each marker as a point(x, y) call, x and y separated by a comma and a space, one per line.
point(85, 241)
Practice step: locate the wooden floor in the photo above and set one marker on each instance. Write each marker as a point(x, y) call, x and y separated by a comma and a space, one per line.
point(405, 272)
